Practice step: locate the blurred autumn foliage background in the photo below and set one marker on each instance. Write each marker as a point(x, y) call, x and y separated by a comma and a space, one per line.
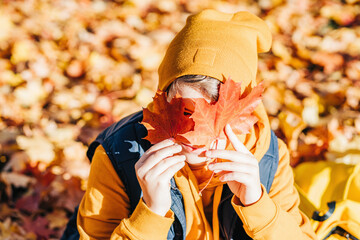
point(68, 69)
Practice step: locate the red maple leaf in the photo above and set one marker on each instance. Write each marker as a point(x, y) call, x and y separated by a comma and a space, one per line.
point(232, 107)
point(32, 199)
point(166, 120)
point(38, 225)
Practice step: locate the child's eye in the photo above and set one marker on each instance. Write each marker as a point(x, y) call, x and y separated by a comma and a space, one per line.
point(187, 112)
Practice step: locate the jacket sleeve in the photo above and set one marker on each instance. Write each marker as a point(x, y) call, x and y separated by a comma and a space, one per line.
point(276, 215)
point(104, 210)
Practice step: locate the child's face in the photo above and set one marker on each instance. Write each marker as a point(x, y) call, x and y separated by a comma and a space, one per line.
point(194, 156)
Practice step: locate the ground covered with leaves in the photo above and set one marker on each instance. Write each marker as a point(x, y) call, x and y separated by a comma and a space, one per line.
point(68, 69)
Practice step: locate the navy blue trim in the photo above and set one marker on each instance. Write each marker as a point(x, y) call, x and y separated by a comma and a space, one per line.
point(71, 231)
point(178, 228)
point(269, 163)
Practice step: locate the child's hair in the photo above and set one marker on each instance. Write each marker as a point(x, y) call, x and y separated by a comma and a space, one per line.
point(207, 86)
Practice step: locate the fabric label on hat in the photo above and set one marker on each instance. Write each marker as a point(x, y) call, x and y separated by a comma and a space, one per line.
point(205, 56)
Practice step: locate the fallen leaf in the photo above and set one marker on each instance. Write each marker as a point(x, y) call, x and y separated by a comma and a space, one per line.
point(57, 219)
point(39, 225)
point(16, 179)
point(39, 149)
point(75, 69)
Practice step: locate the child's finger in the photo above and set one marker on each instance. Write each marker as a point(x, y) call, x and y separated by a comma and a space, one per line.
point(233, 156)
point(147, 163)
point(163, 144)
point(163, 165)
point(236, 143)
point(170, 172)
point(234, 167)
point(240, 178)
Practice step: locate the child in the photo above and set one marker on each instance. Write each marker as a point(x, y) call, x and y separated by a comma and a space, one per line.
point(138, 191)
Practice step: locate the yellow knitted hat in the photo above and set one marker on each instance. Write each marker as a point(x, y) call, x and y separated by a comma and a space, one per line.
point(216, 44)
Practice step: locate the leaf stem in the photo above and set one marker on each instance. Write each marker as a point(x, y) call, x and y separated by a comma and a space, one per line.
point(213, 173)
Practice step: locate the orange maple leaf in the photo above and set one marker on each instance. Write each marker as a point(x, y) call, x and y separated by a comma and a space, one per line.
point(166, 120)
point(232, 107)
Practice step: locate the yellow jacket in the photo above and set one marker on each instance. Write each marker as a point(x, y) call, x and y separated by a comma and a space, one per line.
point(104, 209)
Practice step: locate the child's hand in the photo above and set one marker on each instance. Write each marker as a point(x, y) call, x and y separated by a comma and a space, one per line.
point(154, 170)
point(241, 172)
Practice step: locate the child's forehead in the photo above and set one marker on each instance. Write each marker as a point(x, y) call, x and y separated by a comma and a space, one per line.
point(186, 91)
point(189, 92)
